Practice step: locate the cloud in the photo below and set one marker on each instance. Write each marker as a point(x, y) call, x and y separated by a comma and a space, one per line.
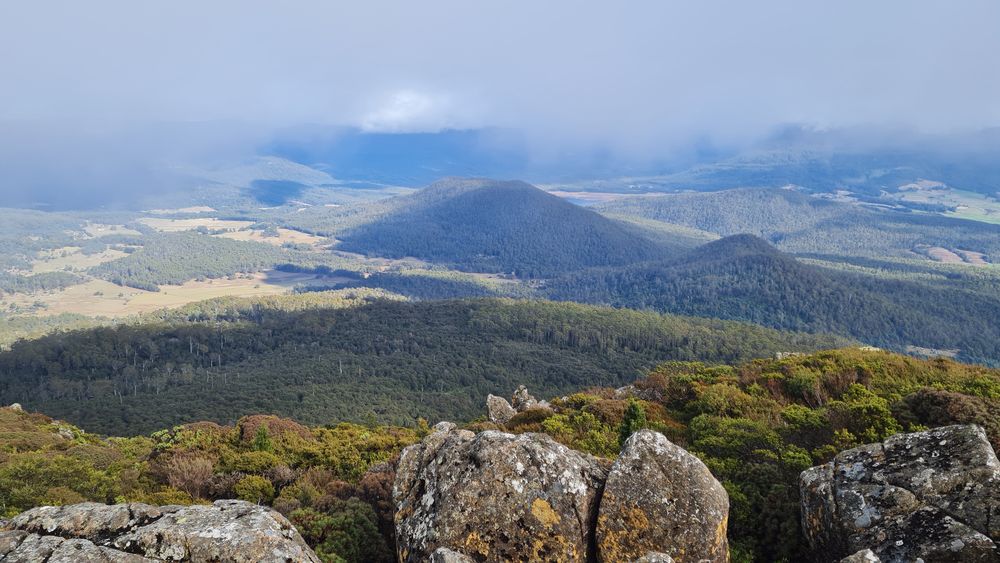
point(642, 78)
point(409, 111)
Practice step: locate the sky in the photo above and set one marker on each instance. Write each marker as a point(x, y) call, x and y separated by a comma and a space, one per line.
point(638, 76)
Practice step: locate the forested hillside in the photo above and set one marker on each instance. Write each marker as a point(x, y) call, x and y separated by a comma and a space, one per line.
point(174, 258)
point(345, 360)
point(798, 222)
point(490, 226)
point(744, 278)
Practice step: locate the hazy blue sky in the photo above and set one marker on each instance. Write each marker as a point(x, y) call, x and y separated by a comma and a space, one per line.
point(628, 73)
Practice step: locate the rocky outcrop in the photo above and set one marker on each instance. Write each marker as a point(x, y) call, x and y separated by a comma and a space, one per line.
point(502, 497)
point(660, 498)
point(495, 497)
point(499, 410)
point(932, 495)
point(228, 530)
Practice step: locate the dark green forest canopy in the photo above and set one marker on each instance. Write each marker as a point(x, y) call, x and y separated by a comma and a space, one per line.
point(174, 258)
point(744, 278)
point(398, 360)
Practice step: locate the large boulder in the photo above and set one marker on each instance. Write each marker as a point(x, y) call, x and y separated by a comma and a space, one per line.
point(496, 497)
point(660, 498)
point(228, 530)
point(932, 495)
point(502, 497)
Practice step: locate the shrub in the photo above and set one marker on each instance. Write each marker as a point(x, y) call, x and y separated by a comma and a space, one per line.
point(255, 489)
point(189, 473)
point(347, 531)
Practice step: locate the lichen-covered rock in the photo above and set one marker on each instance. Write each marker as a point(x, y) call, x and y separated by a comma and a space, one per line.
point(655, 557)
point(496, 497)
point(522, 400)
point(445, 555)
point(86, 519)
point(444, 426)
point(660, 498)
point(932, 495)
point(499, 410)
point(228, 530)
point(18, 546)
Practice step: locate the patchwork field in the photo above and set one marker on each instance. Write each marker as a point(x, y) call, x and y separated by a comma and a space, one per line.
point(178, 225)
point(98, 298)
point(283, 236)
point(101, 230)
point(953, 256)
point(968, 205)
point(71, 258)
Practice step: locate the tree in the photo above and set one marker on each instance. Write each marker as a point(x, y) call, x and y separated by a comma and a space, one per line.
point(634, 420)
point(262, 440)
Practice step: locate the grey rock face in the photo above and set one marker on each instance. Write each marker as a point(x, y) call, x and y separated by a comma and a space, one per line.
point(522, 400)
point(654, 557)
point(444, 426)
point(499, 410)
point(931, 495)
point(495, 497)
point(863, 556)
point(228, 530)
point(660, 498)
point(445, 555)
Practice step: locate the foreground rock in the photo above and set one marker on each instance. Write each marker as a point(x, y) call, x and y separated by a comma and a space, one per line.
point(503, 497)
point(495, 497)
point(660, 498)
point(931, 495)
point(228, 530)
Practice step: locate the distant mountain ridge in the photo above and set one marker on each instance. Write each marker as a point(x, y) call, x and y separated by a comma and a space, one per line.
point(495, 226)
point(744, 278)
point(801, 223)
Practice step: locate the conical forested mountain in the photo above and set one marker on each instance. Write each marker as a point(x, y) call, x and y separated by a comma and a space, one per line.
point(492, 226)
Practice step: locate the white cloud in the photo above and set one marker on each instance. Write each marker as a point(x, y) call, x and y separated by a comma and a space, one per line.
point(408, 111)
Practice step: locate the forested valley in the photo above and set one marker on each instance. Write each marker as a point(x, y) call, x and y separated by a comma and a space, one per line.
point(319, 357)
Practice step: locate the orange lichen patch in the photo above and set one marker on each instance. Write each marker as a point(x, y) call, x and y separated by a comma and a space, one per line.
point(474, 543)
point(624, 538)
point(562, 550)
point(542, 510)
point(721, 542)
